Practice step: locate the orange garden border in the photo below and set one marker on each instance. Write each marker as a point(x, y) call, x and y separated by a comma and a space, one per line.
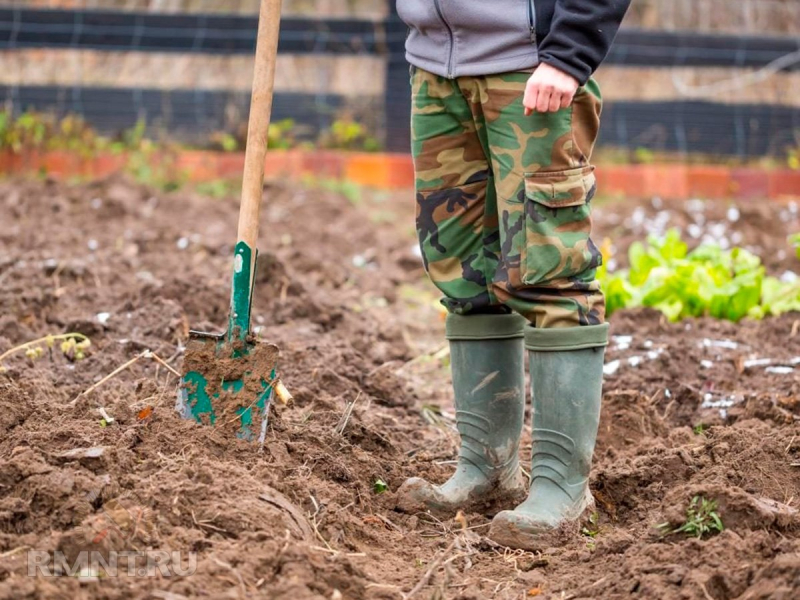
point(395, 172)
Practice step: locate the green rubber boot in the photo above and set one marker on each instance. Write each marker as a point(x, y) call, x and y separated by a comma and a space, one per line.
point(566, 368)
point(487, 362)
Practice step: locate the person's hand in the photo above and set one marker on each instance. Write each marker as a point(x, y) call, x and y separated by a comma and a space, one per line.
point(548, 90)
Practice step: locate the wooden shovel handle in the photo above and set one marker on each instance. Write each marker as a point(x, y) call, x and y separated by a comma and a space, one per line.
point(258, 125)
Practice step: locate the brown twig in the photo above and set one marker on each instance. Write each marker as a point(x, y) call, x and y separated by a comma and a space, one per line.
point(165, 595)
point(331, 551)
point(123, 367)
point(705, 591)
point(14, 551)
point(207, 524)
point(437, 353)
point(348, 411)
point(164, 364)
point(235, 571)
point(110, 376)
point(434, 565)
point(315, 526)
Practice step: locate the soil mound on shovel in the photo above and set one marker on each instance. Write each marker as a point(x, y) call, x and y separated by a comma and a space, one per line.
point(694, 409)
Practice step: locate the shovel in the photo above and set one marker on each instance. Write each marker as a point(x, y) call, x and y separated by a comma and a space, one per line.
point(229, 379)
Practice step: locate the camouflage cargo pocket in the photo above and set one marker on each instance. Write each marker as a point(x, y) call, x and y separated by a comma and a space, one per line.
point(557, 225)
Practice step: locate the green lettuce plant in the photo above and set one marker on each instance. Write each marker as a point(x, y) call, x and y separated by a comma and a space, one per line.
point(708, 281)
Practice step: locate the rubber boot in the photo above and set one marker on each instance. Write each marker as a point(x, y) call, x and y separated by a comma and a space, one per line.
point(487, 362)
point(566, 368)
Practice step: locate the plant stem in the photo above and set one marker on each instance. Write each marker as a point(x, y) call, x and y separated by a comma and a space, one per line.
point(26, 345)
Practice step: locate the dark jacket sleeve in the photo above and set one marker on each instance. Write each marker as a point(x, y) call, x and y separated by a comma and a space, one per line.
point(580, 35)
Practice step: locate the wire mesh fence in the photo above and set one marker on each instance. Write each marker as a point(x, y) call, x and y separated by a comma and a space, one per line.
point(699, 77)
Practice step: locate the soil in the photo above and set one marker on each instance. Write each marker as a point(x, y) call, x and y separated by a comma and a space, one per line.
point(697, 408)
point(219, 367)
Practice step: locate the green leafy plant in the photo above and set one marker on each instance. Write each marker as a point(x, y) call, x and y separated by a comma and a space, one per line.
point(281, 135)
point(347, 134)
point(33, 131)
point(37, 131)
point(158, 171)
point(644, 156)
point(133, 138)
point(793, 158)
point(702, 518)
point(226, 142)
point(379, 486)
point(725, 284)
point(794, 240)
point(27, 131)
point(700, 428)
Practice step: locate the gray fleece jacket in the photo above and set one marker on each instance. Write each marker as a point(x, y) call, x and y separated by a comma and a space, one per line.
point(452, 38)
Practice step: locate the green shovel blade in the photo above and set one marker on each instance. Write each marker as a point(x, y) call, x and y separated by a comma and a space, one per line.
point(228, 379)
point(229, 403)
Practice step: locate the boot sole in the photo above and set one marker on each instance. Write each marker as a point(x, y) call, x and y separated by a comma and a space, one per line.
point(535, 536)
point(487, 503)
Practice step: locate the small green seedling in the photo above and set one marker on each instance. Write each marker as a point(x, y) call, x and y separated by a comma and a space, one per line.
point(702, 518)
point(794, 240)
point(700, 428)
point(379, 486)
point(72, 345)
point(592, 528)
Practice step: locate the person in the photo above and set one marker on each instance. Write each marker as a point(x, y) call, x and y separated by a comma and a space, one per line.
point(505, 115)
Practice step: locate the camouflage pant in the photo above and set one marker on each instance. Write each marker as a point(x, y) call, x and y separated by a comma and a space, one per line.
point(503, 200)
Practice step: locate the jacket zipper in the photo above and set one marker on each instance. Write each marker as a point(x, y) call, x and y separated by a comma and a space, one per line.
point(532, 21)
point(450, 34)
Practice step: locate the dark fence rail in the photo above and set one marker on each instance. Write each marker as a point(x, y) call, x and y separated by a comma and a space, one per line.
point(743, 130)
point(148, 32)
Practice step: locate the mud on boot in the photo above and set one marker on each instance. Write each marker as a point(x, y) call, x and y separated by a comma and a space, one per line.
point(487, 364)
point(566, 369)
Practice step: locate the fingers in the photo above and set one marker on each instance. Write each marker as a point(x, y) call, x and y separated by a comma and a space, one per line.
point(543, 99)
point(555, 101)
point(548, 90)
point(530, 98)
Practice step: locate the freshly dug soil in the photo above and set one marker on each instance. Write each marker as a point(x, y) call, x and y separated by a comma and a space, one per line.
point(698, 408)
point(235, 379)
